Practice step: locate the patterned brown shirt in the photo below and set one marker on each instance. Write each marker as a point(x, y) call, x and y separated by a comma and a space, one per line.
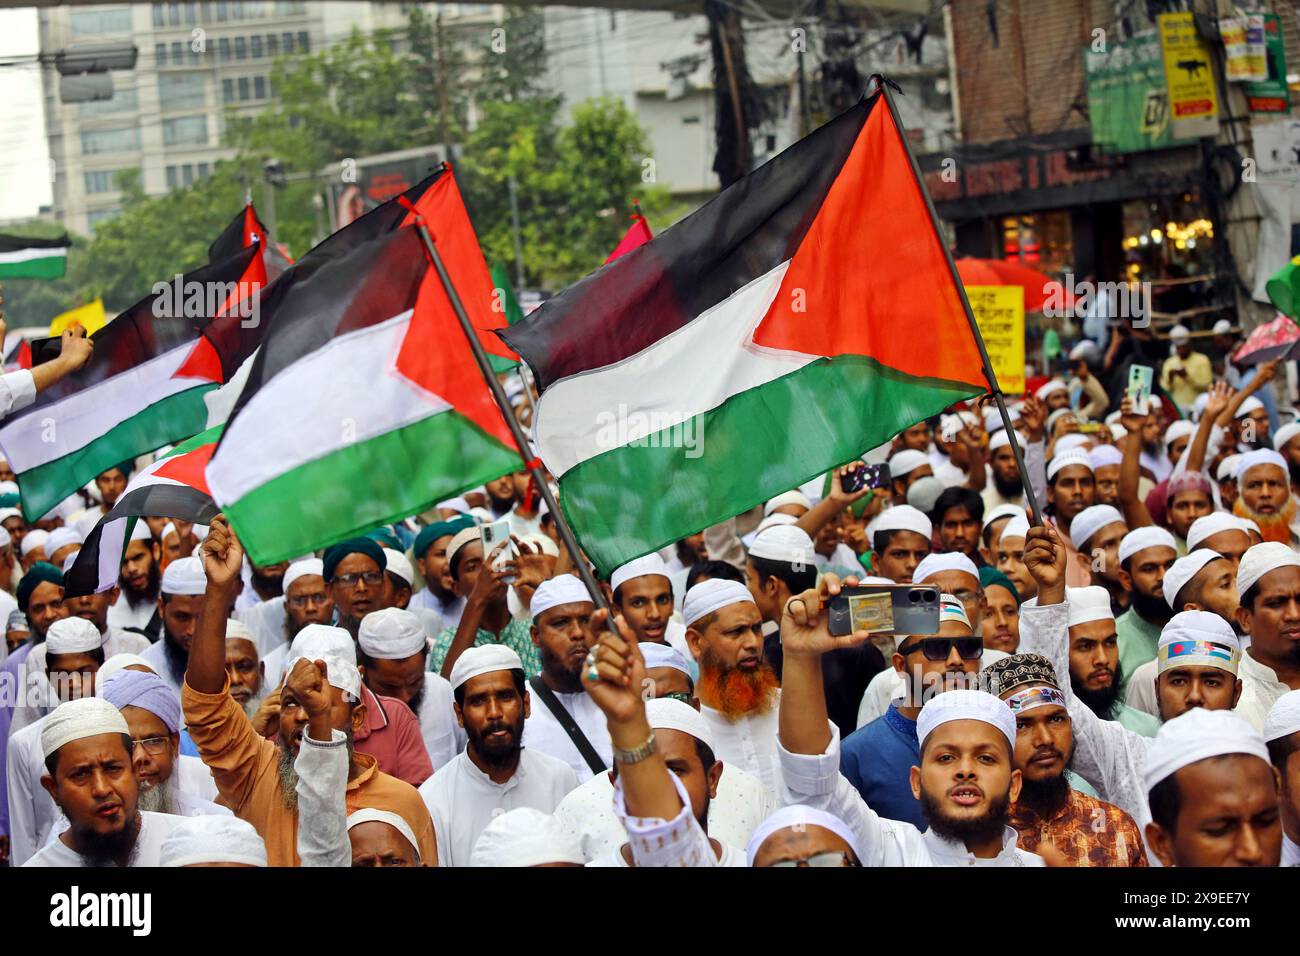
point(1088, 831)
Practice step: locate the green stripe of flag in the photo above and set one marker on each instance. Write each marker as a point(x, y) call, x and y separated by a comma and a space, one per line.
point(51, 266)
point(508, 302)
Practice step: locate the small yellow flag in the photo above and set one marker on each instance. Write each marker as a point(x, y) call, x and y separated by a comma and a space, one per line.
point(90, 316)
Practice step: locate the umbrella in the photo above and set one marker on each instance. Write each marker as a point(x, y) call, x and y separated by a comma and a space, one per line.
point(1276, 339)
point(1038, 287)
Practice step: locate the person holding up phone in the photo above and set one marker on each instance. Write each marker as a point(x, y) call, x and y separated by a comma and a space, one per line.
point(1185, 374)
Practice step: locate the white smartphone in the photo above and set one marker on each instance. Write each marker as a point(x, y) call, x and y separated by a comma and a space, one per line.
point(491, 536)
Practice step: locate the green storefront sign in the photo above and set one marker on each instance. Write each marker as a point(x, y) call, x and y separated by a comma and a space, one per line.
point(1128, 102)
point(1271, 95)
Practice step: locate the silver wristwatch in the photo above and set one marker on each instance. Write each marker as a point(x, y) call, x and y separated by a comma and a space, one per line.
point(638, 754)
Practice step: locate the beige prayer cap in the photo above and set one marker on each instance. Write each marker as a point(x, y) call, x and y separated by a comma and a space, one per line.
point(78, 719)
point(525, 837)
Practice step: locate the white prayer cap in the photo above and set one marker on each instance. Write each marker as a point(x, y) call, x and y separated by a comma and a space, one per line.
point(141, 531)
point(561, 589)
point(712, 595)
point(237, 630)
point(5, 539)
point(339, 672)
point(787, 544)
point(1250, 527)
point(1259, 560)
point(72, 635)
point(1055, 385)
point(1070, 443)
point(7, 513)
point(168, 528)
point(925, 491)
point(396, 563)
point(1082, 349)
point(483, 660)
point(1057, 415)
point(1179, 429)
point(301, 569)
point(524, 837)
point(1209, 525)
point(1001, 440)
point(964, 704)
point(212, 838)
point(1200, 638)
point(944, 561)
point(1017, 527)
point(993, 421)
point(1180, 333)
point(1139, 539)
point(1183, 570)
point(78, 719)
point(951, 609)
point(906, 461)
point(459, 505)
point(798, 817)
point(1283, 718)
point(1087, 604)
point(1222, 327)
point(1198, 735)
point(391, 634)
point(665, 713)
point(120, 662)
point(1285, 434)
point(1091, 520)
point(541, 542)
point(1065, 459)
point(664, 655)
point(903, 518)
point(1256, 458)
point(1251, 404)
point(775, 521)
point(1114, 417)
point(1004, 511)
point(651, 563)
point(32, 540)
point(1228, 468)
point(795, 497)
point(1198, 406)
point(61, 538)
point(394, 820)
point(461, 538)
point(317, 641)
point(184, 576)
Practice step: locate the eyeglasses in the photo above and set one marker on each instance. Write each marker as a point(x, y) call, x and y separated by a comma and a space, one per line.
point(939, 648)
point(829, 858)
point(372, 578)
point(152, 745)
point(684, 698)
point(302, 600)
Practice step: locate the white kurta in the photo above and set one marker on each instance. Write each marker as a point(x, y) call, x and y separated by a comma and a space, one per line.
point(442, 733)
point(587, 813)
point(154, 829)
point(748, 742)
point(1260, 690)
point(32, 812)
point(156, 656)
point(17, 391)
point(1141, 693)
point(816, 781)
point(266, 620)
point(462, 799)
point(121, 614)
point(543, 732)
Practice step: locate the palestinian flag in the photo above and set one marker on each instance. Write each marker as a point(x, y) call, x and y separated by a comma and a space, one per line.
point(638, 234)
point(143, 388)
point(33, 258)
point(507, 305)
point(245, 230)
point(805, 314)
point(364, 404)
point(172, 487)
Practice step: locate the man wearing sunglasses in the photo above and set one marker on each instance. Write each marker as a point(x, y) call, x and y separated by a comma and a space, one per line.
point(877, 758)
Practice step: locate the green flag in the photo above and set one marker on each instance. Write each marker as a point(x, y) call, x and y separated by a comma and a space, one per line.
point(1283, 289)
point(506, 302)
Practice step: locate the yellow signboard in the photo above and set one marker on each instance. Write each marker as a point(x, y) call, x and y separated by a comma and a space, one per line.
point(1189, 74)
point(1000, 314)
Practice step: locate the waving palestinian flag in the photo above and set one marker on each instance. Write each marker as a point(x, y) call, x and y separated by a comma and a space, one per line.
point(804, 315)
point(33, 258)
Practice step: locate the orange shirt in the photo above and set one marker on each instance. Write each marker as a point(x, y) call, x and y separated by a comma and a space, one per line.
point(246, 769)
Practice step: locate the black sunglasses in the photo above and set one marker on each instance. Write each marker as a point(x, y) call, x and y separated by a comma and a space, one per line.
point(938, 648)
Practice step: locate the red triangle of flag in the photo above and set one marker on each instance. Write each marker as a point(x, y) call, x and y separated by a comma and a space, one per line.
point(202, 362)
point(189, 468)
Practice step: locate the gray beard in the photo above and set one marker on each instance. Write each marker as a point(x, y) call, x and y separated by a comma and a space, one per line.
point(288, 774)
point(160, 798)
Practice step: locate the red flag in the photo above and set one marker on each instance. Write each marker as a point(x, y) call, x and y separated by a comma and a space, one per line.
point(638, 235)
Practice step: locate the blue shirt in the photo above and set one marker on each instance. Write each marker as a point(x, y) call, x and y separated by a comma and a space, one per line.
point(878, 758)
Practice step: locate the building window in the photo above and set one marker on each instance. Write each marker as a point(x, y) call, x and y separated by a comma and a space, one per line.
point(223, 49)
point(205, 170)
point(101, 181)
point(94, 217)
point(287, 40)
point(123, 101)
point(160, 54)
point(223, 11)
point(157, 15)
point(272, 45)
point(244, 89)
point(185, 91)
point(178, 54)
point(110, 140)
point(191, 13)
point(172, 180)
point(259, 87)
point(94, 23)
point(241, 48)
point(228, 91)
point(255, 46)
point(304, 45)
point(237, 10)
point(185, 130)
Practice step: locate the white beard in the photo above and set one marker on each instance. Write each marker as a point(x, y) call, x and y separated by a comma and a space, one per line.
point(160, 798)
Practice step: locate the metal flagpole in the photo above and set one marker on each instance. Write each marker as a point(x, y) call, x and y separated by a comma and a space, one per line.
point(534, 466)
point(884, 83)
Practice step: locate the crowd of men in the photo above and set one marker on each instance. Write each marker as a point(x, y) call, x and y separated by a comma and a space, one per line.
point(1115, 687)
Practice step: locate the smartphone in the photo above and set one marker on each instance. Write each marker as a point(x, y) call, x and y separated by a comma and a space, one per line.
point(866, 476)
point(879, 609)
point(491, 535)
point(1140, 378)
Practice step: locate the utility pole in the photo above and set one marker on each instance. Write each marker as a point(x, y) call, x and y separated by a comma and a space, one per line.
point(514, 231)
point(442, 80)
